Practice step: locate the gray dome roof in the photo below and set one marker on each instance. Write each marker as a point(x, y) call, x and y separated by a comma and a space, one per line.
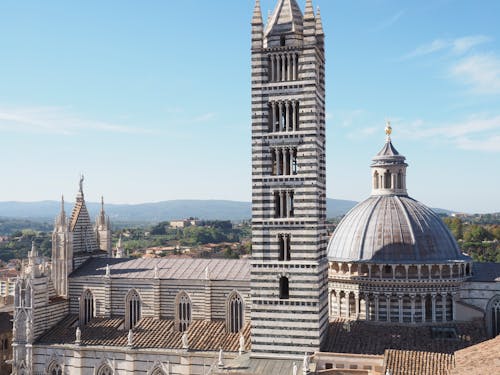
point(393, 229)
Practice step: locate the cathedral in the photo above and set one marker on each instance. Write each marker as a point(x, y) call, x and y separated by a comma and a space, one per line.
point(389, 293)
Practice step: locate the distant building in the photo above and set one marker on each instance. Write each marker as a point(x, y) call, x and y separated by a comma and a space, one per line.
point(388, 294)
point(183, 223)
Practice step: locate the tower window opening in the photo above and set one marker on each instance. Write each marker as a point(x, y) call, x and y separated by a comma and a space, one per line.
point(387, 178)
point(274, 163)
point(375, 180)
point(284, 288)
point(400, 180)
point(495, 318)
point(282, 41)
point(294, 162)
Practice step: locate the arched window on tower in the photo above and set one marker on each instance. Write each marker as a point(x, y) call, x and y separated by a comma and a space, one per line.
point(375, 180)
point(387, 180)
point(282, 41)
point(234, 312)
point(86, 307)
point(284, 288)
point(183, 311)
point(400, 180)
point(132, 309)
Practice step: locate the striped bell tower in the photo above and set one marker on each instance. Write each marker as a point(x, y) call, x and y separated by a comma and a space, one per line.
point(289, 264)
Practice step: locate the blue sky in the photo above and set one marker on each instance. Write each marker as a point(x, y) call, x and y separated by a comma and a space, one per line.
point(151, 99)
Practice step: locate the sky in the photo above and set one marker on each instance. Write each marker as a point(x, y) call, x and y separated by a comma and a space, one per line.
point(151, 99)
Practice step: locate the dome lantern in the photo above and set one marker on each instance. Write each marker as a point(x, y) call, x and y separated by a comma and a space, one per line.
point(389, 169)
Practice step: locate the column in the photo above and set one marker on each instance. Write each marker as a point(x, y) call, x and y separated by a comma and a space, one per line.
point(273, 125)
point(287, 111)
point(454, 306)
point(393, 181)
point(412, 299)
point(339, 310)
point(294, 66)
point(271, 76)
point(292, 154)
point(388, 306)
point(280, 120)
point(423, 299)
point(376, 295)
point(433, 296)
point(369, 271)
point(419, 268)
point(278, 162)
point(393, 271)
point(400, 307)
point(380, 269)
point(278, 70)
point(406, 271)
point(282, 206)
point(356, 301)
point(444, 299)
point(289, 66)
point(283, 68)
point(288, 203)
point(440, 271)
point(294, 116)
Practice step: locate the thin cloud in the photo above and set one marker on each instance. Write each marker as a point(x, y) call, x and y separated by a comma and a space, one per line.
point(480, 72)
point(204, 117)
point(56, 120)
point(476, 133)
point(457, 46)
point(390, 21)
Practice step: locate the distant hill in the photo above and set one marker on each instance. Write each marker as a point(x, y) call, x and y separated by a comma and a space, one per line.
point(155, 212)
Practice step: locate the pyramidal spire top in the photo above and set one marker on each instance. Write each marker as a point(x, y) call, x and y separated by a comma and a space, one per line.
point(257, 14)
point(309, 11)
point(287, 18)
point(319, 23)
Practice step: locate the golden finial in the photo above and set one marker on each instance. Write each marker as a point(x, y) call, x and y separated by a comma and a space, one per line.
point(388, 130)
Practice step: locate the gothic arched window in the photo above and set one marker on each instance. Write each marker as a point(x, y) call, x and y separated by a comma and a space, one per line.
point(183, 312)
point(235, 312)
point(86, 307)
point(132, 309)
point(157, 371)
point(105, 370)
point(55, 369)
point(494, 314)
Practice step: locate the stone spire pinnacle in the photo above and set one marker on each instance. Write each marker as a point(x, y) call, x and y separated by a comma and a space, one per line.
point(287, 18)
point(257, 14)
point(309, 11)
point(319, 23)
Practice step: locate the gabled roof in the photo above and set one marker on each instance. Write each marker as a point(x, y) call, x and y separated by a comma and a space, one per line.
point(287, 17)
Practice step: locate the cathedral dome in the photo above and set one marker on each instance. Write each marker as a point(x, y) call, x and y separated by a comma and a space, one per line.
point(391, 227)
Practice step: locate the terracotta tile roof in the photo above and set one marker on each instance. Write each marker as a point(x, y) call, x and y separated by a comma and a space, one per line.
point(480, 359)
point(372, 338)
point(172, 268)
point(407, 362)
point(149, 333)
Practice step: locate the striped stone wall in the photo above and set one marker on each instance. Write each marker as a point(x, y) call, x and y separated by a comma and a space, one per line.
point(297, 324)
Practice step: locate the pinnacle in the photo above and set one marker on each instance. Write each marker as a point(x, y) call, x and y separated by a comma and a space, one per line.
point(309, 11)
point(257, 14)
point(319, 23)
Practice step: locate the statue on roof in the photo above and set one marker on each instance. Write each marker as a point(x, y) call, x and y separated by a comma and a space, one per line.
point(82, 178)
point(185, 341)
point(388, 130)
point(305, 365)
point(242, 344)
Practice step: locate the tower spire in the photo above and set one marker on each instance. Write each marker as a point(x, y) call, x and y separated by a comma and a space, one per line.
point(309, 11)
point(257, 14)
point(319, 23)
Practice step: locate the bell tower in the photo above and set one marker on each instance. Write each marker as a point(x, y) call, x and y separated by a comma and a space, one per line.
point(289, 264)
